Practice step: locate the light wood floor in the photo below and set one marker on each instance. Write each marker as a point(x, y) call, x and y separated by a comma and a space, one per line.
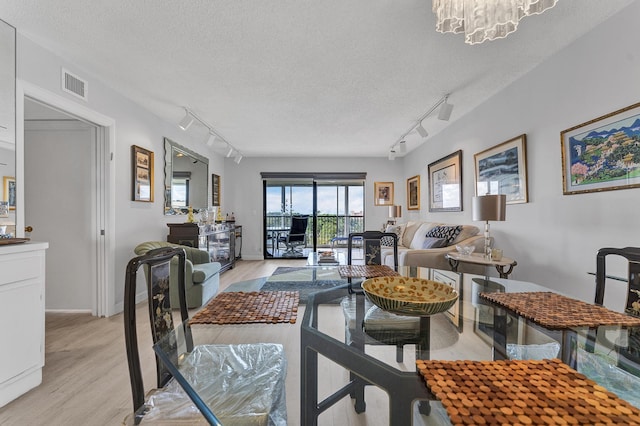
point(86, 381)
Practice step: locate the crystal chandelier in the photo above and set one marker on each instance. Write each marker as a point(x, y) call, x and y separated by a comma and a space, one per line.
point(482, 20)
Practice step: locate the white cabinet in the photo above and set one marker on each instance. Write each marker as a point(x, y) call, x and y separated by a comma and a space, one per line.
point(7, 85)
point(22, 288)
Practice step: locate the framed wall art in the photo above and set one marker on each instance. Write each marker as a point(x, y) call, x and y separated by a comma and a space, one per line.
point(142, 172)
point(602, 154)
point(215, 190)
point(413, 193)
point(502, 169)
point(9, 191)
point(383, 193)
point(445, 184)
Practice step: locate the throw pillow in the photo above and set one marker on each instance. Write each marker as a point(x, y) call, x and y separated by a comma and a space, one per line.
point(386, 241)
point(449, 233)
point(431, 242)
point(398, 230)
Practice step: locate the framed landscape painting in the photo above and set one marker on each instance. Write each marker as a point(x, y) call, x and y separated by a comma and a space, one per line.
point(142, 182)
point(383, 193)
point(445, 184)
point(502, 169)
point(602, 154)
point(413, 193)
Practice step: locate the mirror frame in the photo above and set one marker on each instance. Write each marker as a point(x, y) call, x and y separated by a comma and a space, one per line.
point(169, 148)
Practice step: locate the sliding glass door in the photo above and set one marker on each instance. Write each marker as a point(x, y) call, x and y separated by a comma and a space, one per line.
point(332, 208)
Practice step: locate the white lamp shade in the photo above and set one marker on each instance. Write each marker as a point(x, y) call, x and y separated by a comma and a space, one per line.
point(489, 207)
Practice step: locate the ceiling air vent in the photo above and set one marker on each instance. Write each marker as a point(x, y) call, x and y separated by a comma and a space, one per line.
point(73, 84)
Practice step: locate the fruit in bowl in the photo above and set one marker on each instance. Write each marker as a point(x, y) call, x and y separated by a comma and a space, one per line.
point(465, 250)
point(410, 296)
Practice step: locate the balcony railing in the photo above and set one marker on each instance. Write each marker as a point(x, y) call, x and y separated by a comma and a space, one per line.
point(329, 226)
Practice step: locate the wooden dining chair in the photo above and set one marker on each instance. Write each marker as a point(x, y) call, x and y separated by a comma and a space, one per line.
point(224, 377)
point(632, 254)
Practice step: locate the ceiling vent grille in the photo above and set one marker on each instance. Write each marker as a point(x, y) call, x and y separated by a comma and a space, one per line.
point(74, 85)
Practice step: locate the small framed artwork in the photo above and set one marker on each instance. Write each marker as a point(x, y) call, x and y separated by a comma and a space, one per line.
point(502, 169)
point(142, 170)
point(602, 154)
point(445, 184)
point(383, 193)
point(215, 190)
point(9, 191)
point(413, 193)
point(452, 279)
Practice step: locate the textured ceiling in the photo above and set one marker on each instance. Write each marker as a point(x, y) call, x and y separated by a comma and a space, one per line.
point(295, 77)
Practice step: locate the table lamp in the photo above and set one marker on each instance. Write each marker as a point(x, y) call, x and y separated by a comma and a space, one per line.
point(488, 207)
point(395, 212)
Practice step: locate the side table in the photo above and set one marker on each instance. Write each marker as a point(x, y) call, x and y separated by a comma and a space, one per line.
point(477, 258)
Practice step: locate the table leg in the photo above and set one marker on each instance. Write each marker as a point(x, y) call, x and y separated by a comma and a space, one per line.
point(501, 271)
point(454, 264)
point(308, 384)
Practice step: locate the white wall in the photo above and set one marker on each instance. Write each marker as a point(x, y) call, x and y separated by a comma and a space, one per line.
point(243, 190)
point(135, 222)
point(554, 237)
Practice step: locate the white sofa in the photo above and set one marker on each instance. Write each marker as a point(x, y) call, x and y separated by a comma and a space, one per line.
point(411, 240)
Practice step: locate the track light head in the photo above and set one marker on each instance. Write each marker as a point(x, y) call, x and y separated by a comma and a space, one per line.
point(230, 153)
point(238, 158)
point(186, 121)
point(422, 131)
point(392, 154)
point(402, 147)
point(445, 110)
point(211, 139)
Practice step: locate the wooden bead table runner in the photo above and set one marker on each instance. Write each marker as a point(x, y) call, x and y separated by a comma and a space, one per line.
point(545, 392)
point(366, 271)
point(556, 312)
point(250, 307)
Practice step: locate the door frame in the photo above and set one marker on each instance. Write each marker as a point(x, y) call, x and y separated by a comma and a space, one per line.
point(103, 222)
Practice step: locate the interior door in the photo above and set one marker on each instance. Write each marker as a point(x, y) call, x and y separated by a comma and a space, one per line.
point(59, 194)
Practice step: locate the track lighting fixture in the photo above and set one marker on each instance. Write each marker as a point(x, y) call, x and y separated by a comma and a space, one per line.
point(392, 154)
point(444, 114)
point(445, 110)
point(422, 131)
point(212, 136)
point(211, 139)
point(186, 121)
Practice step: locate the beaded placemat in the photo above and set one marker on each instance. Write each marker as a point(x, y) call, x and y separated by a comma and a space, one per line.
point(546, 392)
point(366, 271)
point(555, 311)
point(250, 307)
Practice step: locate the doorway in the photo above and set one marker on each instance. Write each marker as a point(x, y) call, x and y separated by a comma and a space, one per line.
point(101, 212)
point(59, 182)
point(333, 206)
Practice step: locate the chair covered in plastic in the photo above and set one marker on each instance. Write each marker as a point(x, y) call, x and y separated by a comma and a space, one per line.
point(242, 384)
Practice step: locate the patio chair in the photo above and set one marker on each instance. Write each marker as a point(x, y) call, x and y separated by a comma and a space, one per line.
point(224, 376)
point(296, 237)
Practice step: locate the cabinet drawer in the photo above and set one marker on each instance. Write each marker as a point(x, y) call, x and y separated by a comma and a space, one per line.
point(19, 268)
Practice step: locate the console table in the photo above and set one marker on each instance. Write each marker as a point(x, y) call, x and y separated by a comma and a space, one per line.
point(219, 240)
point(456, 258)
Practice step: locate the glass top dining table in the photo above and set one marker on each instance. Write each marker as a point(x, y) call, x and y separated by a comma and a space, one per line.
point(343, 329)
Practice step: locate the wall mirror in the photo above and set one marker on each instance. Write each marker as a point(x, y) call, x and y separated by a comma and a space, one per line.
point(7, 129)
point(185, 179)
